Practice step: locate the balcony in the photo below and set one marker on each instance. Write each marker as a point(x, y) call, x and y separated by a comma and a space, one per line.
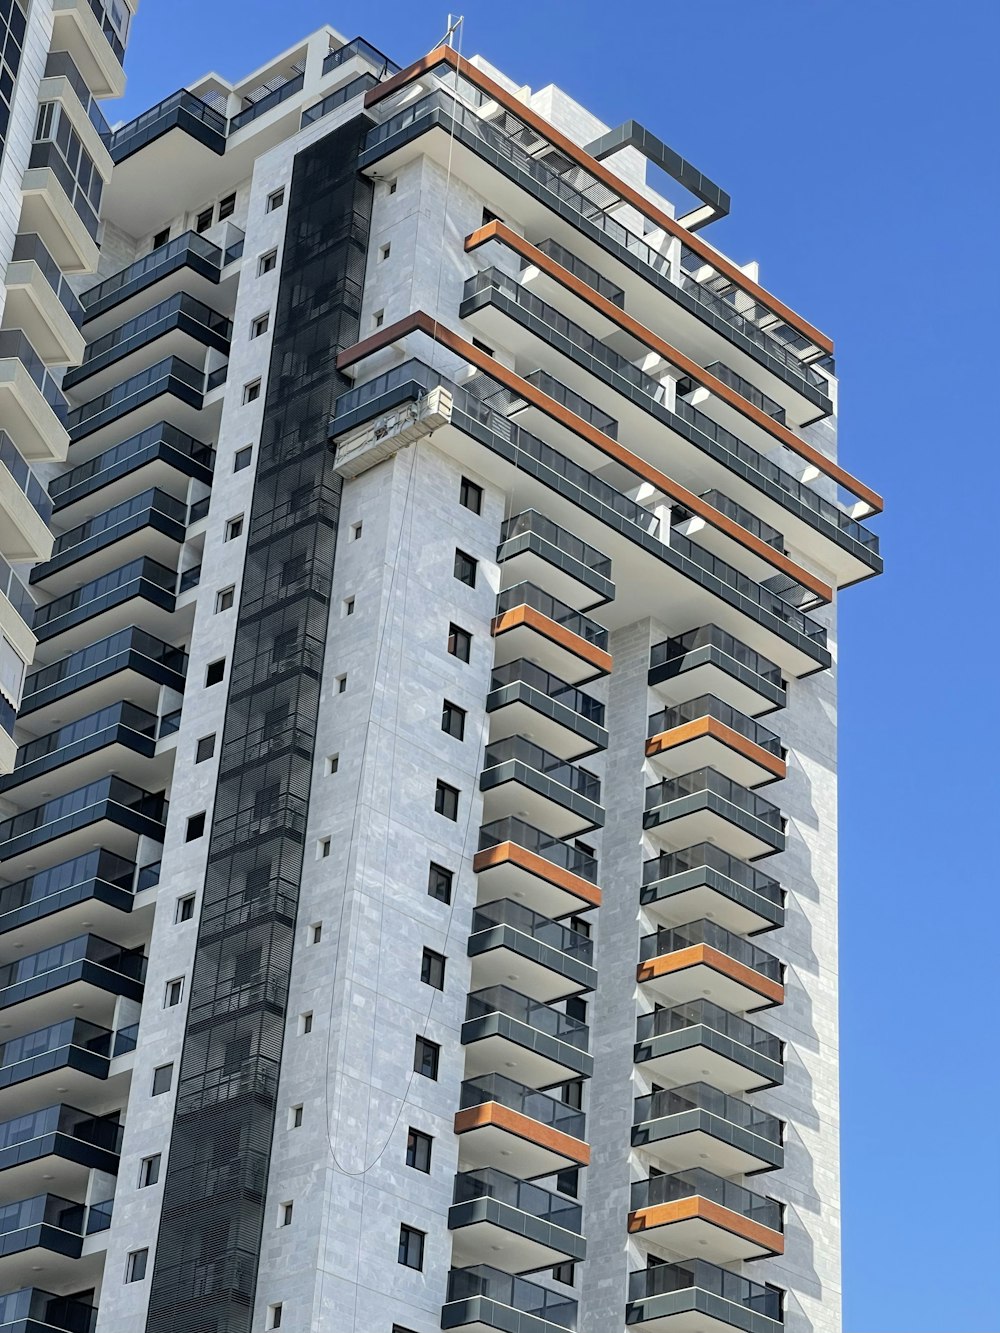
point(130, 664)
point(33, 409)
point(65, 89)
point(539, 1044)
point(535, 550)
point(339, 97)
point(18, 608)
point(708, 733)
point(700, 1040)
point(109, 813)
point(167, 457)
point(681, 963)
point(512, 1222)
point(541, 284)
point(510, 942)
point(94, 889)
point(119, 738)
point(84, 29)
point(531, 623)
point(41, 302)
point(31, 1310)
point(683, 1127)
point(524, 700)
point(79, 617)
point(44, 1222)
point(87, 973)
point(665, 1298)
point(516, 860)
point(179, 326)
point(55, 208)
point(520, 778)
point(188, 263)
point(25, 506)
point(706, 806)
point(502, 1123)
point(61, 1060)
point(482, 1297)
point(745, 389)
point(70, 1142)
point(707, 660)
point(140, 399)
point(696, 1209)
point(182, 110)
point(704, 881)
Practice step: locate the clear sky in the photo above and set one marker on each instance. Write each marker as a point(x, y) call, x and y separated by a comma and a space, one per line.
point(858, 141)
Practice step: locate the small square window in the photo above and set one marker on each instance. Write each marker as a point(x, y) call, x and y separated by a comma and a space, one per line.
point(565, 1273)
point(260, 325)
point(426, 1057)
point(234, 529)
point(465, 569)
point(453, 720)
point(418, 1150)
point(356, 531)
point(390, 187)
point(568, 1181)
point(185, 909)
point(215, 671)
point(224, 599)
point(251, 391)
point(316, 932)
point(432, 969)
point(161, 238)
point(322, 849)
point(305, 1023)
point(242, 458)
point(332, 764)
point(275, 199)
point(571, 1094)
point(274, 1315)
point(163, 1077)
point(347, 607)
point(149, 1171)
point(267, 263)
point(135, 1265)
point(285, 1214)
point(378, 319)
point(204, 220)
point(576, 1008)
point(295, 1117)
point(174, 992)
point(227, 207)
point(459, 642)
point(195, 827)
point(204, 749)
point(471, 496)
point(439, 883)
point(341, 684)
point(411, 1247)
point(446, 800)
point(384, 251)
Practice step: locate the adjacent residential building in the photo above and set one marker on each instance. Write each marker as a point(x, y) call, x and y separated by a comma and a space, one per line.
point(419, 868)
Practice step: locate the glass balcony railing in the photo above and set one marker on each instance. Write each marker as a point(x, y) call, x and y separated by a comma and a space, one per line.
point(29, 248)
point(32, 1310)
point(506, 912)
point(17, 594)
point(740, 515)
point(48, 156)
point(60, 64)
point(67, 883)
point(115, 723)
point(706, 1185)
point(573, 264)
point(161, 441)
point(531, 522)
point(14, 345)
point(24, 479)
point(339, 97)
point(37, 972)
point(267, 103)
point(109, 797)
point(182, 108)
point(52, 1047)
point(663, 1279)
point(107, 27)
point(528, 1102)
point(572, 401)
point(129, 647)
point(706, 856)
point(529, 594)
point(544, 682)
point(179, 311)
point(359, 47)
point(533, 1013)
point(187, 250)
point(146, 577)
point(702, 1013)
point(489, 1183)
point(44, 1210)
point(117, 522)
point(673, 939)
point(544, 845)
point(516, 1293)
point(67, 1121)
point(746, 390)
point(703, 1097)
point(8, 715)
point(171, 375)
point(708, 782)
point(707, 705)
point(518, 750)
point(708, 637)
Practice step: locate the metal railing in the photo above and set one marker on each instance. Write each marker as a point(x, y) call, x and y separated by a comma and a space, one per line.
point(746, 390)
point(339, 97)
point(266, 103)
point(359, 47)
point(152, 122)
point(574, 264)
point(739, 514)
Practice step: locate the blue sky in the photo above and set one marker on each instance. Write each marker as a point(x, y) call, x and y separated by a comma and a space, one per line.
point(858, 141)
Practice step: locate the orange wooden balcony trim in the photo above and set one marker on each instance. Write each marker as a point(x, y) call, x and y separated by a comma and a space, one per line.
point(493, 1114)
point(574, 643)
point(710, 726)
point(705, 1210)
point(704, 955)
point(534, 864)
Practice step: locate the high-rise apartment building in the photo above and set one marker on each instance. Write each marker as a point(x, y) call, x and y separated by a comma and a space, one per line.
point(419, 881)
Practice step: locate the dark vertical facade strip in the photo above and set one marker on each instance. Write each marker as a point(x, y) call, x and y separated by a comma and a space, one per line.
point(208, 1248)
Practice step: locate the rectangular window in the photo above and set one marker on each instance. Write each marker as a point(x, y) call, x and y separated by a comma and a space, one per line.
point(446, 800)
point(341, 684)
point(356, 529)
point(418, 1150)
point(161, 238)
point(234, 529)
point(227, 207)
point(348, 606)
point(439, 883)
point(267, 263)
point(163, 1077)
point(465, 569)
point(224, 599)
point(471, 496)
point(274, 1315)
point(378, 319)
point(568, 1181)
point(285, 1214)
point(453, 720)
point(195, 827)
point(204, 220)
point(205, 749)
point(483, 347)
point(384, 251)
point(426, 1057)
point(432, 969)
point(332, 764)
point(173, 993)
point(295, 1117)
point(565, 1273)
point(459, 642)
point(242, 458)
point(215, 671)
point(275, 200)
point(411, 1247)
point(149, 1171)
point(571, 1094)
point(185, 908)
point(135, 1265)
point(390, 187)
point(305, 1023)
point(251, 391)
point(323, 849)
point(259, 326)
point(316, 932)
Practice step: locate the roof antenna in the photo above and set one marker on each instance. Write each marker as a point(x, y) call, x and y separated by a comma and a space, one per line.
point(455, 21)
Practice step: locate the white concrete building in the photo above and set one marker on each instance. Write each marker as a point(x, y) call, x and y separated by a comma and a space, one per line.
point(419, 884)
